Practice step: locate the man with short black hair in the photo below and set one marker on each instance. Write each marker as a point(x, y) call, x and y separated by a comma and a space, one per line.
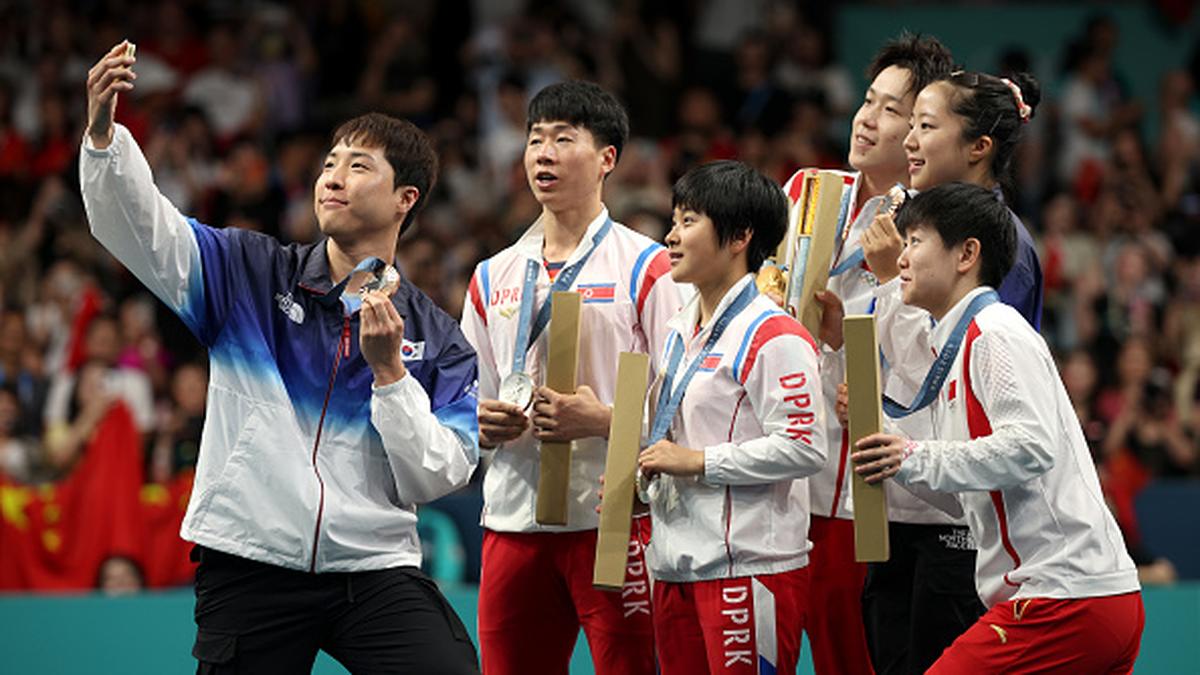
point(841, 644)
point(536, 580)
point(340, 398)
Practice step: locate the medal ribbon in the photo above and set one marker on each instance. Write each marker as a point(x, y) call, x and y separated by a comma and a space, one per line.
point(527, 335)
point(669, 399)
point(370, 264)
point(941, 366)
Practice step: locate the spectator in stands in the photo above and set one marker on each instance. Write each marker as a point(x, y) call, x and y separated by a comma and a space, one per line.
point(228, 94)
point(1181, 333)
point(17, 455)
point(1149, 432)
point(182, 155)
point(120, 575)
point(89, 402)
point(807, 66)
point(756, 100)
point(246, 197)
point(177, 443)
point(26, 383)
point(397, 78)
point(1179, 137)
point(1080, 378)
point(701, 134)
point(1090, 119)
point(101, 348)
point(141, 346)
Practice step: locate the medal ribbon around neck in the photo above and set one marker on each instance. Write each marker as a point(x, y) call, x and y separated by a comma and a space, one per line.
point(936, 376)
point(527, 334)
point(891, 202)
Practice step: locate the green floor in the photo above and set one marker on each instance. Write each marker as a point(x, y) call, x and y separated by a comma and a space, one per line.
point(152, 634)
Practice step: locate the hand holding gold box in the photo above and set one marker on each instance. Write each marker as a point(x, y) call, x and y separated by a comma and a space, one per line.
point(866, 417)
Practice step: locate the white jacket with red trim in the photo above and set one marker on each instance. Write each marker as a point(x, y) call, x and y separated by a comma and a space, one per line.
point(755, 408)
point(856, 288)
point(628, 300)
point(1009, 444)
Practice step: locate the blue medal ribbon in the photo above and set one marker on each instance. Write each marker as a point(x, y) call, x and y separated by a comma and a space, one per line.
point(857, 257)
point(936, 376)
point(847, 264)
point(669, 398)
point(527, 334)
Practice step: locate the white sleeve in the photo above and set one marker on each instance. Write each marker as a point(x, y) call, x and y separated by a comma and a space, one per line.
point(474, 327)
point(783, 388)
point(427, 457)
point(139, 226)
point(1010, 381)
point(905, 336)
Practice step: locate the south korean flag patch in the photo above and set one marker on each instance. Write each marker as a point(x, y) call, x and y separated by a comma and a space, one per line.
point(412, 351)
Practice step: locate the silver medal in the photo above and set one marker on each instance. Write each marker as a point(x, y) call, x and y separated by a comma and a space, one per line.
point(386, 281)
point(517, 389)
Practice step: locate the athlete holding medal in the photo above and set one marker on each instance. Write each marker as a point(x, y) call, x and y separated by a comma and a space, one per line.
point(738, 421)
point(537, 580)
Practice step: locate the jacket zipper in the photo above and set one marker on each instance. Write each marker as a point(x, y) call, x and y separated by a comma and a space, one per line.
point(343, 348)
point(729, 490)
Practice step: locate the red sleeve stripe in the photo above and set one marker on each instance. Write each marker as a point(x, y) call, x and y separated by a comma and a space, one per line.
point(779, 324)
point(796, 185)
point(476, 298)
point(659, 265)
point(978, 425)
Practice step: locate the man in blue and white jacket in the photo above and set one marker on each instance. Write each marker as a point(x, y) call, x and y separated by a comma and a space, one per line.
point(333, 410)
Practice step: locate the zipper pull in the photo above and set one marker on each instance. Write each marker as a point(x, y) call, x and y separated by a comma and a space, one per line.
point(346, 338)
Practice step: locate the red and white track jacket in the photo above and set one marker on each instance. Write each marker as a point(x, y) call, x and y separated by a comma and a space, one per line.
point(755, 407)
point(831, 487)
point(628, 298)
point(1009, 444)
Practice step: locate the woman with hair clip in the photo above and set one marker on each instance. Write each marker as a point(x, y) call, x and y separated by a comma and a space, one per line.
point(965, 128)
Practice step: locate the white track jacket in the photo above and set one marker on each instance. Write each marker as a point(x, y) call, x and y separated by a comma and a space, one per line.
point(1009, 444)
point(303, 462)
point(755, 408)
point(628, 296)
point(855, 286)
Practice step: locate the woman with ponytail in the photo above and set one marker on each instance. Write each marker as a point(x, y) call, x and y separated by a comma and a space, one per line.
point(966, 128)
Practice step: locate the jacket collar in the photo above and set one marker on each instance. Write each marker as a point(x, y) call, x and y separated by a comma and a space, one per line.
point(942, 329)
point(684, 322)
point(530, 243)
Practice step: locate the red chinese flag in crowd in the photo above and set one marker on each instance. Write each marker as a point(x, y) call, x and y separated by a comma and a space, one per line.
point(164, 553)
point(55, 535)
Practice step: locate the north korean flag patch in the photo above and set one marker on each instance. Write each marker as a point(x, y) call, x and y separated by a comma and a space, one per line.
point(598, 293)
point(952, 390)
point(710, 363)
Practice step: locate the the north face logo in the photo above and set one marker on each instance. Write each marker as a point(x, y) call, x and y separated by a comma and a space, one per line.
point(289, 307)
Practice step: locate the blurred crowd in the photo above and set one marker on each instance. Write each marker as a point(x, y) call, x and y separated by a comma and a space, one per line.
point(234, 103)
